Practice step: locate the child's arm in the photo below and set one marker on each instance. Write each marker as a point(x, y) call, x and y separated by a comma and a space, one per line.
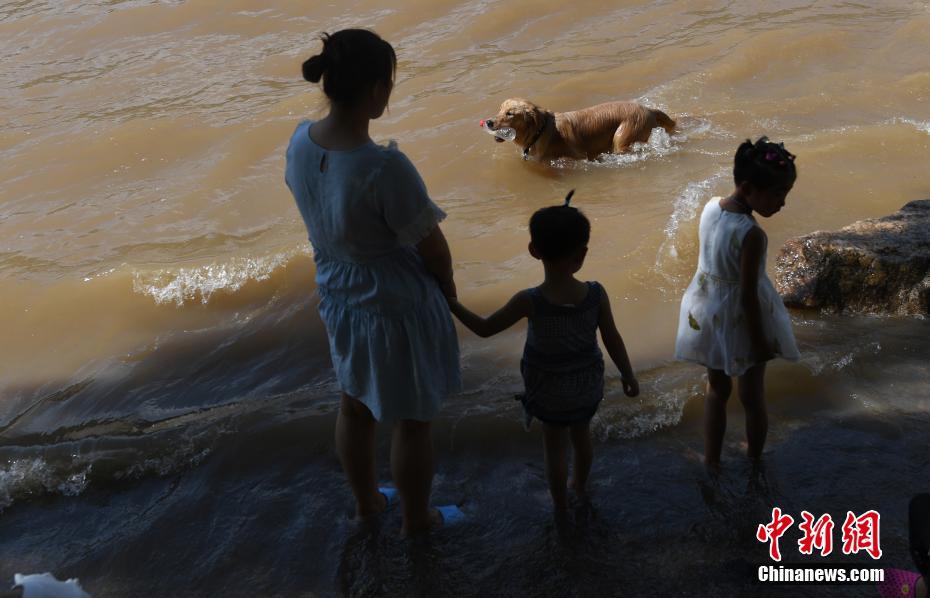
point(615, 347)
point(750, 263)
point(519, 306)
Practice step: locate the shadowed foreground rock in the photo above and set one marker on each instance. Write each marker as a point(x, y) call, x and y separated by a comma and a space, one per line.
point(872, 266)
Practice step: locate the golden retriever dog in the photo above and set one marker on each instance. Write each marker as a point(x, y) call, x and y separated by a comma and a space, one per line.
point(612, 127)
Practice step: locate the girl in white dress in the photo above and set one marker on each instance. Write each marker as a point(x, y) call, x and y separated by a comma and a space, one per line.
point(732, 321)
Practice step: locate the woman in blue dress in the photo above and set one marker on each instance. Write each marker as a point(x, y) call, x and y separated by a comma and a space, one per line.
point(383, 270)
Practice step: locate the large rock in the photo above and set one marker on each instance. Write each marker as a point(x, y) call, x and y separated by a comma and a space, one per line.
point(872, 266)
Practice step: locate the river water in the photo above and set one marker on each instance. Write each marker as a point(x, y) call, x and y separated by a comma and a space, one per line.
point(166, 402)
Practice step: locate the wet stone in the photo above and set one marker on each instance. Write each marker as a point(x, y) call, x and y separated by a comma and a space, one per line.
point(879, 266)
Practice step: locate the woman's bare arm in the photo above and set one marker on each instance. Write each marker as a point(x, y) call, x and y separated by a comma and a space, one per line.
point(438, 260)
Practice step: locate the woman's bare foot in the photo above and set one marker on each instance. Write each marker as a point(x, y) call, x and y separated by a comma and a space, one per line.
point(581, 492)
point(712, 468)
point(372, 508)
point(435, 522)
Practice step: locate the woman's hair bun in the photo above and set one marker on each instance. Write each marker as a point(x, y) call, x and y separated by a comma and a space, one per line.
point(313, 68)
point(351, 63)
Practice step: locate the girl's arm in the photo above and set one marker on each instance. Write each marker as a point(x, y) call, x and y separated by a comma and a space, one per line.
point(615, 347)
point(438, 260)
point(750, 264)
point(520, 306)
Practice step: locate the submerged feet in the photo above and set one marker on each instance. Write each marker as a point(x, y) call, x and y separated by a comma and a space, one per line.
point(375, 504)
point(439, 517)
point(580, 490)
point(387, 497)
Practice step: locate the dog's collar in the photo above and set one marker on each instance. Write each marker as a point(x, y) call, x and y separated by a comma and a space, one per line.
point(526, 150)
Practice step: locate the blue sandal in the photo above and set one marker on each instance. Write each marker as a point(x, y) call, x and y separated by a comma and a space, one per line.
point(451, 515)
point(391, 496)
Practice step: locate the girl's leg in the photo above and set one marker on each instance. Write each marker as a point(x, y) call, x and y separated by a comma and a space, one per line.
point(555, 442)
point(752, 395)
point(584, 455)
point(719, 387)
point(412, 469)
point(355, 445)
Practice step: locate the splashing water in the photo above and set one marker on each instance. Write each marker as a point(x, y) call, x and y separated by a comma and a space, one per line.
point(659, 145)
point(32, 477)
point(919, 125)
point(686, 208)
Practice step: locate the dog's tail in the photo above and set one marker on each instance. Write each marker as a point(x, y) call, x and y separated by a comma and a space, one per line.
point(664, 120)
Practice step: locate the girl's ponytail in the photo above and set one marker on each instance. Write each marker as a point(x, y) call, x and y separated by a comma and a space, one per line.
point(763, 164)
point(744, 150)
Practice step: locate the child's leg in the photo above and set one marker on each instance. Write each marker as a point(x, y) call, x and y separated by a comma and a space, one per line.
point(752, 395)
point(412, 470)
point(719, 387)
point(355, 445)
point(584, 454)
point(555, 441)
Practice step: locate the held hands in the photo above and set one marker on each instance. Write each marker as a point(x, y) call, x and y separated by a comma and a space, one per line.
point(448, 289)
point(630, 386)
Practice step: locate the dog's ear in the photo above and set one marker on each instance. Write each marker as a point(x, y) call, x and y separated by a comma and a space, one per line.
point(533, 115)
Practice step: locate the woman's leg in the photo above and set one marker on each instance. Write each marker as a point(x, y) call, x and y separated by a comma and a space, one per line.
point(555, 443)
point(355, 445)
point(719, 387)
point(412, 469)
point(584, 455)
point(752, 395)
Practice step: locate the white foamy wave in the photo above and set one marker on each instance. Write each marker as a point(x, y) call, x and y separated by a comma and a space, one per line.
point(162, 465)
point(34, 476)
point(189, 284)
point(828, 360)
point(686, 205)
point(29, 477)
point(660, 405)
point(685, 209)
point(917, 124)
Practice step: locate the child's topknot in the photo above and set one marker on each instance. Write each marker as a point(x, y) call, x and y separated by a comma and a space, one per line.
point(559, 231)
point(763, 164)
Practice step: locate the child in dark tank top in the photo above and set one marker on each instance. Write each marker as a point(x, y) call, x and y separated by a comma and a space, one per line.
point(562, 365)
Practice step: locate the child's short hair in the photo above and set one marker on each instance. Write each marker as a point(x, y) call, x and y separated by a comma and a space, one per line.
point(559, 231)
point(351, 63)
point(763, 164)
